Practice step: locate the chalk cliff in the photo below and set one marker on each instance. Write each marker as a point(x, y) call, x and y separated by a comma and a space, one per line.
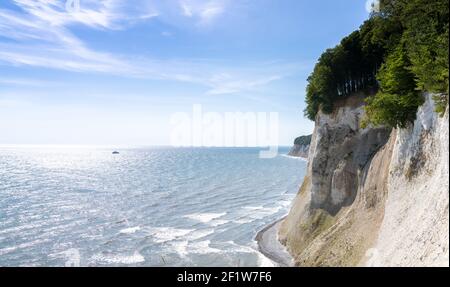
point(372, 196)
point(301, 147)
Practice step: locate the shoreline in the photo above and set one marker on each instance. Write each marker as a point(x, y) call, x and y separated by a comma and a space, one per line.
point(270, 247)
point(296, 157)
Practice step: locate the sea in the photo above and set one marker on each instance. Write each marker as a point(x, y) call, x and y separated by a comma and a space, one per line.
point(160, 206)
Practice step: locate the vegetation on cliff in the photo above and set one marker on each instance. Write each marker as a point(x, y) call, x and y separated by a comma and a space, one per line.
point(303, 140)
point(400, 51)
point(396, 102)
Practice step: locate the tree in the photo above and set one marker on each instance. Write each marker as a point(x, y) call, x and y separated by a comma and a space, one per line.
point(426, 39)
point(402, 50)
point(396, 102)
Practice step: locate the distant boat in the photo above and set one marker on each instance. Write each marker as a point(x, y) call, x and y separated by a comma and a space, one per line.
point(115, 152)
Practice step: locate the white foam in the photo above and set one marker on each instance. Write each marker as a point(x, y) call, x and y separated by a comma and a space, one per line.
point(286, 203)
point(130, 230)
point(184, 247)
point(295, 157)
point(254, 207)
point(180, 247)
point(204, 217)
point(197, 234)
point(244, 220)
point(264, 261)
point(240, 248)
point(202, 247)
point(119, 259)
point(165, 234)
point(218, 222)
point(253, 213)
point(261, 212)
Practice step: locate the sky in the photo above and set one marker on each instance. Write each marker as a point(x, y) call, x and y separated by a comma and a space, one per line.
point(114, 72)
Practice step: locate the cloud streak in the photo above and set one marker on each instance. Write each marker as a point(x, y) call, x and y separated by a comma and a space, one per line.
point(204, 11)
point(39, 36)
point(107, 14)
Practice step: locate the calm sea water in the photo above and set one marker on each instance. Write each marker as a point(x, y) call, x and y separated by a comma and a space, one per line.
point(143, 207)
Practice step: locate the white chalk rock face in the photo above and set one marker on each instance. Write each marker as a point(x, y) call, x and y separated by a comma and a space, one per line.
point(301, 147)
point(415, 229)
point(373, 196)
point(341, 150)
point(299, 151)
point(343, 182)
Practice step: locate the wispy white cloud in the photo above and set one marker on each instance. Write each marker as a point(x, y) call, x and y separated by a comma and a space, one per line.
point(204, 11)
point(41, 37)
point(26, 82)
point(186, 9)
point(109, 14)
point(227, 84)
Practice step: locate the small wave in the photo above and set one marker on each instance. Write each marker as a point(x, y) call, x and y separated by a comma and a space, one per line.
point(197, 234)
point(286, 203)
point(218, 222)
point(6, 250)
point(202, 247)
point(165, 234)
point(184, 247)
point(250, 214)
point(204, 217)
point(253, 207)
point(295, 157)
point(119, 259)
point(262, 212)
point(263, 261)
point(244, 220)
point(179, 247)
point(130, 230)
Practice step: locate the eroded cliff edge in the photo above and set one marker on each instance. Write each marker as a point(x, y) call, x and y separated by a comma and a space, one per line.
point(372, 196)
point(301, 147)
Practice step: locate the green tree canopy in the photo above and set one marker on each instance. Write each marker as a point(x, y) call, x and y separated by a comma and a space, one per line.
point(400, 50)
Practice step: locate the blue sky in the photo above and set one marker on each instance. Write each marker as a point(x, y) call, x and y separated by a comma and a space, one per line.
point(112, 72)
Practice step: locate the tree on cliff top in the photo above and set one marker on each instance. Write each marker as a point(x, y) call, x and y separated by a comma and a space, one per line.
point(396, 102)
point(365, 59)
point(418, 63)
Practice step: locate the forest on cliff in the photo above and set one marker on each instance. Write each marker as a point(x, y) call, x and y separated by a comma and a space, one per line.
point(400, 52)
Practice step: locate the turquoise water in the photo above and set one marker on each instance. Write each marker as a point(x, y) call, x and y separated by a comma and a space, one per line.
point(143, 207)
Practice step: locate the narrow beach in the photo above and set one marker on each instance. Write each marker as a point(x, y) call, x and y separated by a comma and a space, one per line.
point(270, 247)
